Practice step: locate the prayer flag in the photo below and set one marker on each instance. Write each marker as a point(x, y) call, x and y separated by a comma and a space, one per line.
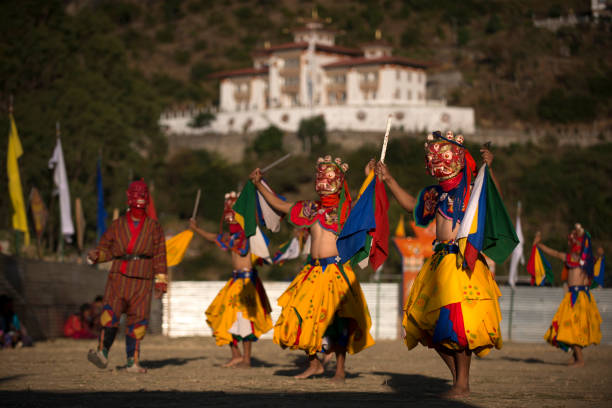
point(598, 272)
point(517, 255)
point(101, 215)
point(245, 209)
point(539, 268)
point(486, 225)
point(288, 250)
point(176, 247)
point(20, 220)
point(270, 218)
point(365, 235)
point(39, 211)
point(80, 223)
point(60, 179)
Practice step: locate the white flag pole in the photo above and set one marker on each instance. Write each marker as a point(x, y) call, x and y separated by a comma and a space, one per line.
point(197, 203)
point(386, 140)
point(276, 162)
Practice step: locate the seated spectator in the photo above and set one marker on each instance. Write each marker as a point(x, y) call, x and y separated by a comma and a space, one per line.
point(78, 325)
point(12, 332)
point(96, 312)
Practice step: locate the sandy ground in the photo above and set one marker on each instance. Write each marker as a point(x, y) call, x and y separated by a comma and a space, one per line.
point(187, 372)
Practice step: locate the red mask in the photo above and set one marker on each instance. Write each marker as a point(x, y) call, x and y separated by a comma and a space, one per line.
point(138, 198)
point(574, 241)
point(443, 158)
point(229, 215)
point(330, 175)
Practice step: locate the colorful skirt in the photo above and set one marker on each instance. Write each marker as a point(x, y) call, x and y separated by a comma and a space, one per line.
point(324, 299)
point(451, 307)
point(577, 321)
point(243, 293)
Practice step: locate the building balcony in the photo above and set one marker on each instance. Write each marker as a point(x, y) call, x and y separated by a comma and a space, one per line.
point(289, 71)
point(366, 86)
point(242, 95)
point(336, 88)
point(290, 88)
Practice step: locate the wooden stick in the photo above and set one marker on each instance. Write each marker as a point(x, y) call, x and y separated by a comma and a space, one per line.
point(385, 141)
point(274, 163)
point(197, 203)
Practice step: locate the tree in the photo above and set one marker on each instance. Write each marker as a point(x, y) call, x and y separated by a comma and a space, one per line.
point(269, 140)
point(312, 132)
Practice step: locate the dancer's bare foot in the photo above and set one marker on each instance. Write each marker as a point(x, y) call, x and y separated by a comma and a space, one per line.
point(576, 363)
point(233, 362)
point(315, 368)
point(338, 378)
point(136, 368)
point(243, 364)
point(457, 392)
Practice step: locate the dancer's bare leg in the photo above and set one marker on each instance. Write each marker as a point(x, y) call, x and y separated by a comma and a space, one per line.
point(462, 386)
point(447, 357)
point(246, 355)
point(236, 356)
point(340, 360)
point(314, 367)
point(578, 358)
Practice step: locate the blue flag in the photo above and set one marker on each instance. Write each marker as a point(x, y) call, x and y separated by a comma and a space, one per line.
point(354, 239)
point(101, 224)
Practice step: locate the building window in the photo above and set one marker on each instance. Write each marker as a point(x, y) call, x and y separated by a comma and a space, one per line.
point(421, 96)
point(420, 77)
point(409, 76)
point(398, 74)
point(292, 63)
point(409, 94)
point(332, 98)
point(397, 93)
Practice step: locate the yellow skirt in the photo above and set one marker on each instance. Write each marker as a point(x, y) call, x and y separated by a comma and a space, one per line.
point(452, 307)
point(240, 294)
point(577, 325)
point(313, 300)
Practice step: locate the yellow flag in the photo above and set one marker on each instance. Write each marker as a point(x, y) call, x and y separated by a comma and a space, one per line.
point(176, 247)
point(20, 221)
point(400, 230)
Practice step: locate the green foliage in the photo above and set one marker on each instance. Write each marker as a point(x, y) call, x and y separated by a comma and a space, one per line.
point(121, 12)
point(193, 169)
point(493, 24)
point(200, 70)
point(559, 106)
point(73, 71)
point(200, 45)
point(166, 34)
point(411, 36)
point(181, 57)
point(312, 132)
point(463, 36)
point(172, 9)
point(202, 119)
point(268, 141)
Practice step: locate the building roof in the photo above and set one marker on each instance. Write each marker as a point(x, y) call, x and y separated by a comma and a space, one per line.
point(239, 72)
point(281, 47)
point(352, 62)
point(336, 49)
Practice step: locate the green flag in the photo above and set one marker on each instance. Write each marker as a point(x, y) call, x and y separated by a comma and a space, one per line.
point(246, 209)
point(500, 237)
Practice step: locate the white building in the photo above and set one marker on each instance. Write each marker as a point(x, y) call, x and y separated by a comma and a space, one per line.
point(355, 89)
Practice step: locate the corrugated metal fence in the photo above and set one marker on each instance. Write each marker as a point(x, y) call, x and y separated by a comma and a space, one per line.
point(526, 314)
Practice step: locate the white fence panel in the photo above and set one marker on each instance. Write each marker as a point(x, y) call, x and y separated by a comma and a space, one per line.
point(526, 314)
point(184, 307)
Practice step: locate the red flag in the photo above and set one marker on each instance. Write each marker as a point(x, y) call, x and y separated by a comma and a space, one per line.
point(380, 236)
point(151, 213)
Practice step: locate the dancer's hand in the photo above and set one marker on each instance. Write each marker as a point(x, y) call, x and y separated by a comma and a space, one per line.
point(487, 156)
point(256, 176)
point(92, 256)
point(193, 224)
point(537, 238)
point(383, 172)
point(369, 167)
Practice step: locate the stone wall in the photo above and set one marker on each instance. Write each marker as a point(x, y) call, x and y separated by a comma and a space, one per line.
point(46, 293)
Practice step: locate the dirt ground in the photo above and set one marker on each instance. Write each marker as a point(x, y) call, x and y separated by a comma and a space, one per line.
point(187, 372)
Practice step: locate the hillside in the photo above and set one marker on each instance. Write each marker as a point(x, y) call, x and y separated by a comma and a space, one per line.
point(515, 75)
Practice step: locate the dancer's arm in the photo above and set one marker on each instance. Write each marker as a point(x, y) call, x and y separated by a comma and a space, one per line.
point(537, 240)
point(405, 199)
point(487, 157)
point(209, 236)
point(269, 196)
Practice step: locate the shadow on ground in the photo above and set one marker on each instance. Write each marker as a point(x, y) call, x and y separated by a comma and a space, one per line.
point(152, 364)
point(221, 399)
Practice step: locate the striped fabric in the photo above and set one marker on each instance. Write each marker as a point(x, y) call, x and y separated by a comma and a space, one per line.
point(131, 296)
point(124, 238)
